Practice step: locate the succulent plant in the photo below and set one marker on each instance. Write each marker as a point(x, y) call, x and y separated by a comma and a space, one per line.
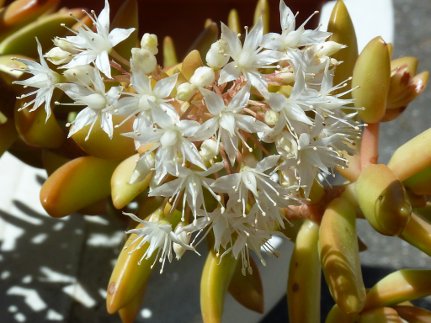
point(230, 145)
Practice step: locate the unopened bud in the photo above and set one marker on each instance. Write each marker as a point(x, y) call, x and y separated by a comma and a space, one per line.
point(405, 85)
point(65, 45)
point(185, 91)
point(329, 48)
point(216, 56)
point(202, 76)
point(271, 117)
point(150, 42)
point(80, 74)
point(184, 237)
point(143, 60)
point(208, 149)
point(58, 56)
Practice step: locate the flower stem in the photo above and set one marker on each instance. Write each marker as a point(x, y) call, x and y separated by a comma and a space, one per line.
point(120, 59)
point(370, 145)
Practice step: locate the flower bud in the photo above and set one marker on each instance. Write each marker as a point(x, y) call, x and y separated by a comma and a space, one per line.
point(184, 237)
point(202, 76)
point(216, 56)
point(80, 74)
point(143, 60)
point(271, 117)
point(65, 45)
point(405, 85)
point(329, 48)
point(150, 42)
point(58, 56)
point(208, 149)
point(185, 91)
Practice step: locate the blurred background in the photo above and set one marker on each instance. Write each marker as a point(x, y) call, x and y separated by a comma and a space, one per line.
point(57, 270)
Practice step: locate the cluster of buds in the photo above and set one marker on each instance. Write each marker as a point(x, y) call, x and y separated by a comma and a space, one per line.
point(233, 144)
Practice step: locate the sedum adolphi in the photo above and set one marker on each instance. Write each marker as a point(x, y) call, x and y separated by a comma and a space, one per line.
point(231, 147)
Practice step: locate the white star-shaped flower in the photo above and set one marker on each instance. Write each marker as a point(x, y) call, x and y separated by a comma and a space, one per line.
point(191, 183)
point(159, 236)
point(171, 139)
point(247, 58)
point(236, 234)
point(94, 47)
point(44, 80)
point(291, 37)
point(97, 102)
point(268, 195)
point(227, 121)
point(147, 98)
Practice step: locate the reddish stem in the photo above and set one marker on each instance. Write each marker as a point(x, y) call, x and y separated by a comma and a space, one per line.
point(370, 145)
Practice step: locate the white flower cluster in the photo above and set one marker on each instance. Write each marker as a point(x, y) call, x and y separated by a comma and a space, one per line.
point(231, 146)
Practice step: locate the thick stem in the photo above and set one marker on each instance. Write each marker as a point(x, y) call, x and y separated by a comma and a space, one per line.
point(370, 145)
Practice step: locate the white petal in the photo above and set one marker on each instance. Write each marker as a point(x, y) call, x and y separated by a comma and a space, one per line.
point(227, 122)
point(287, 18)
point(258, 82)
point(188, 127)
point(192, 154)
point(249, 180)
point(239, 245)
point(103, 18)
point(206, 130)
point(229, 73)
point(226, 184)
point(83, 58)
point(84, 117)
point(250, 124)
point(168, 189)
point(117, 35)
point(164, 119)
point(213, 101)
point(267, 163)
point(232, 40)
point(230, 145)
point(240, 100)
point(165, 86)
point(253, 39)
point(106, 124)
point(102, 63)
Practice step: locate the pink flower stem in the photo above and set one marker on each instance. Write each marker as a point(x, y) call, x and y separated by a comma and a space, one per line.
point(370, 145)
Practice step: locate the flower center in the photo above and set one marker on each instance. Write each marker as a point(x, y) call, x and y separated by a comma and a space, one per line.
point(169, 138)
point(99, 43)
point(144, 101)
point(246, 60)
point(95, 101)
